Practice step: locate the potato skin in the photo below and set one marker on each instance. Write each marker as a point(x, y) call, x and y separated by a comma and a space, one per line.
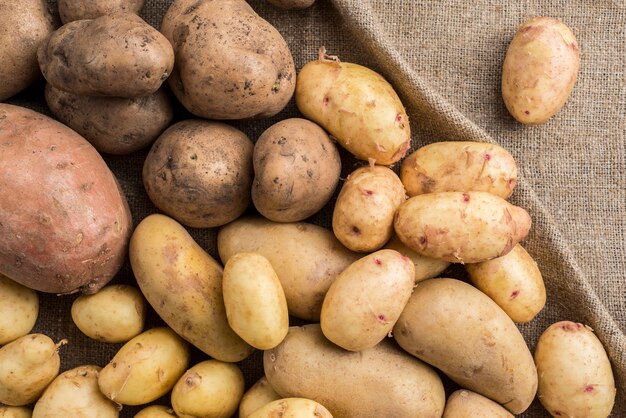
point(466, 404)
point(69, 229)
point(575, 376)
point(461, 227)
point(200, 173)
point(539, 70)
point(19, 307)
point(260, 394)
point(458, 329)
point(155, 411)
point(230, 62)
point(292, 408)
point(15, 412)
point(459, 166)
point(296, 170)
point(291, 4)
point(307, 258)
point(425, 267)
point(70, 10)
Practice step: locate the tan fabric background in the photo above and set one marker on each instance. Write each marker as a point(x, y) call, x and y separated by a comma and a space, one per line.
point(444, 58)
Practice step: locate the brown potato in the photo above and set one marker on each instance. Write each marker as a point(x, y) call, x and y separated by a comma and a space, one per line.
point(425, 267)
point(71, 10)
point(292, 4)
point(466, 404)
point(200, 173)
point(15, 412)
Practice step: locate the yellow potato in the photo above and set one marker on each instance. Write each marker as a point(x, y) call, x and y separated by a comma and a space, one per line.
point(19, 307)
point(575, 376)
point(292, 408)
point(15, 412)
point(513, 281)
point(145, 368)
point(425, 267)
point(539, 70)
point(260, 394)
point(466, 404)
point(155, 411)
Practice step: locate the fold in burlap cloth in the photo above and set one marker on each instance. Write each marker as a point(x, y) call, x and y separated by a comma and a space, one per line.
point(445, 58)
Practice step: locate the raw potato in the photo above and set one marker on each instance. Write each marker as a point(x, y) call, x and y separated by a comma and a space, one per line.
point(15, 412)
point(230, 62)
point(200, 173)
point(296, 168)
point(71, 10)
point(75, 393)
point(27, 366)
point(459, 166)
point(539, 70)
point(365, 208)
point(292, 4)
point(114, 55)
point(176, 275)
point(69, 229)
point(113, 125)
point(115, 314)
point(307, 258)
point(461, 227)
point(365, 301)
point(25, 24)
point(575, 376)
point(292, 408)
point(19, 307)
point(255, 302)
point(211, 389)
point(466, 404)
point(145, 368)
point(260, 394)
point(383, 381)
point(155, 411)
point(513, 281)
point(425, 267)
point(455, 327)
point(355, 105)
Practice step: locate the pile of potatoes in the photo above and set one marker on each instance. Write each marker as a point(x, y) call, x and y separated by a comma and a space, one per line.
point(356, 320)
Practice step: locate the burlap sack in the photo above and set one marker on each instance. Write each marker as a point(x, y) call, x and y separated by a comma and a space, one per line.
point(445, 58)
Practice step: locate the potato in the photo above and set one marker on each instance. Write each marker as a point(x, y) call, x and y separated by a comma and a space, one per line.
point(307, 258)
point(145, 368)
point(461, 227)
point(539, 70)
point(176, 275)
point(25, 24)
point(292, 408)
point(71, 10)
point(379, 382)
point(513, 281)
point(27, 366)
point(255, 302)
point(365, 208)
point(575, 376)
point(366, 299)
point(230, 62)
point(70, 227)
point(115, 314)
point(15, 412)
point(200, 172)
point(425, 267)
point(466, 404)
point(113, 125)
point(296, 170)
point(155, 411)
point(355, 105)
point(459, 330)
point(19, 307)
point(459, 166)
point(113, 55)
point(292, 4)
point(210, 389)
point(260, 394)
point(75, 393)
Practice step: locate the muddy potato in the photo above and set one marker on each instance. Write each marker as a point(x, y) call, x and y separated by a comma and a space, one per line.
point(296, 170)
point(466, 404)
point(292, 4)
point(19, 307)
point(425, 267)
point(15, 412)
point(260, 394)
point(292, 408)
point(155, 411)
point(116, 55)
point(575, 376)
point(539, 70)
point(200, 173)
point(71, 10)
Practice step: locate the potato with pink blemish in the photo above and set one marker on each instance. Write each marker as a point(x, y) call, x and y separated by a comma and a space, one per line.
point(575, 376)
point(425, 267)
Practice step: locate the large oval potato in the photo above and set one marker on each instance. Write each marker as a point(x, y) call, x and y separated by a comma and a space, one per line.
point(176, 275)
point(70, 10)
point(307, 258)
point(459, 166)
point(292, 408)
point(466, 404)
point(461, 227)
point(19, 307)
point(15, 412)
point(70, 226)
point(260, 394)
point(539, 70)
point(382, 381)
point(155, 411)
point(455, 327)
point(575, 376)
point(425, 267)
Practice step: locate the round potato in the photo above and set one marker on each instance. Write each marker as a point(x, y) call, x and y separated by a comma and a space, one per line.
point(575, 376)
point(292, 408)
point(155, 411)
point(425, 267)
point(539, 70)
point(296, 170)
point(466, 404)
point(19, 307)
point(200, 173)
point(260, 394)
point(292, 4)
point(15, 412)
point(211, 389)
point(71, 10)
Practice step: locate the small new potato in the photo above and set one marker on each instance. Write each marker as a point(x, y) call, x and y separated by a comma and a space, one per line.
point(115, 314)
point(466, 404)
point(260, 394)
point(292, 408)
point(19, 307)
point(155, 411)
point(291, 4)
point(15, 412)
point(425, 267)
point(70, 10)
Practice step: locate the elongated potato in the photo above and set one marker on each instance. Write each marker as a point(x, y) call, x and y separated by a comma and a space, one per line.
point(19, 307)
point(155, 411)
point(292, 408)
point(458, 329)
point(575, 376)
point(307, 258)
point(425, 267)
point(380, 382)
point(459, 166)
point(260, 394)
point(176, 275)
point(15, 412)
point(466, 404)
point(461, 227)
